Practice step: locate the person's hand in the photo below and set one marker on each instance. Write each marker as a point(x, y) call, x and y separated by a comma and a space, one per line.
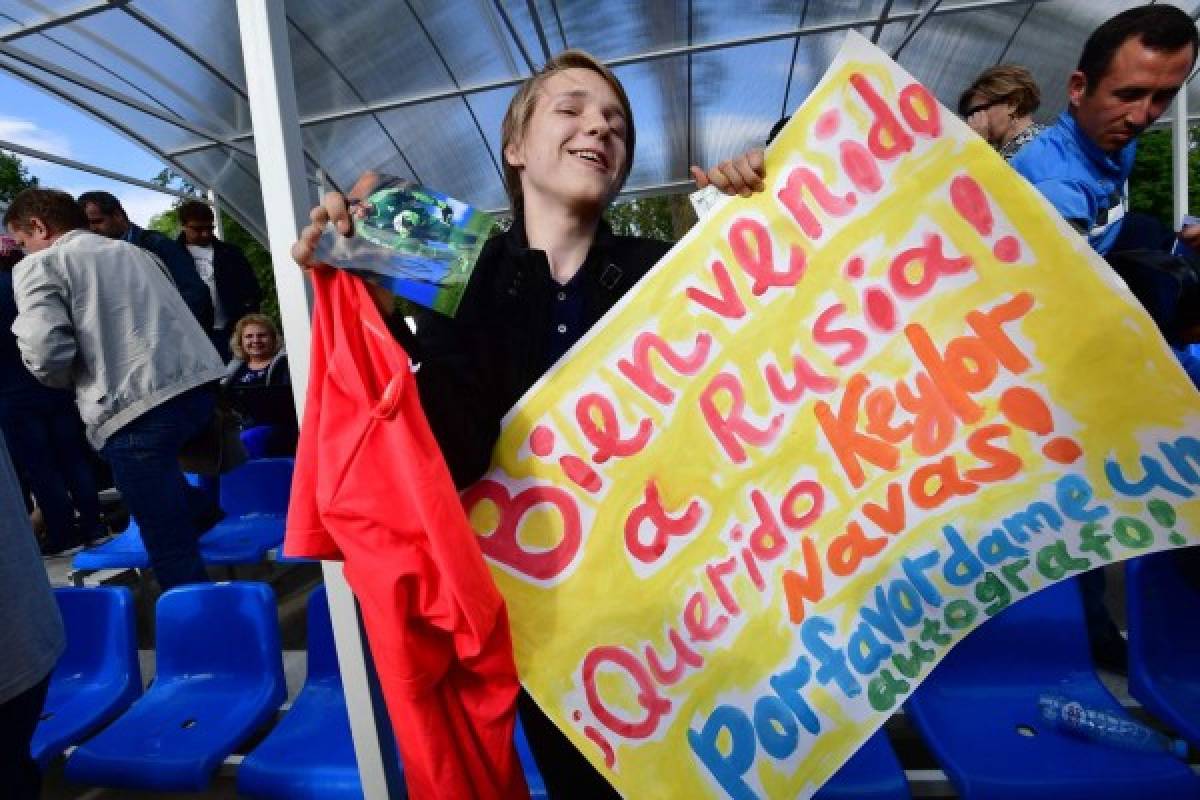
point(335, 207)
point(742, 175)
point(1190, 235)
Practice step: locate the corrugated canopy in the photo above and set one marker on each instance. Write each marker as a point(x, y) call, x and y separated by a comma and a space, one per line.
point(417, 88)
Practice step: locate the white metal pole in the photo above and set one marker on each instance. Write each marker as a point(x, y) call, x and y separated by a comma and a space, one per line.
point(1179, 157)
point(214, 200)
point(272, 94)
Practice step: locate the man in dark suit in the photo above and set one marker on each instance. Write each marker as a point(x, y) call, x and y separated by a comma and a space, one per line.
point(223, 266)
point(107, 217)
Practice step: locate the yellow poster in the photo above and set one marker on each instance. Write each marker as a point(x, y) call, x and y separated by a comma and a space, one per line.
point(836, 411)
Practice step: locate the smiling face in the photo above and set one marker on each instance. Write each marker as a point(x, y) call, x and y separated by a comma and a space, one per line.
point(258, 342)
point(572, 151)
point(1135, 90)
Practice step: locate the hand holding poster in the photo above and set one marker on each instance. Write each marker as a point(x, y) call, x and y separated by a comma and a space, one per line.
point(843, 423)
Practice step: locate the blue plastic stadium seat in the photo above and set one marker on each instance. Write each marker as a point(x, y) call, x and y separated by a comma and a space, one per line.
point(255, 499)
point(220, 679)
point(256, 440)
point(97, 676)
point(123, 551)
point(1164, 639)
point(309, 755)
point(978, 712)
point(873, 773)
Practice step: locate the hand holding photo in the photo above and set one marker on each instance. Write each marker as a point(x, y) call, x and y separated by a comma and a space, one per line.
point(413, 241)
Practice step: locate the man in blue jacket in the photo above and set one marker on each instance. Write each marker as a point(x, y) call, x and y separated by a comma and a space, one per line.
point(107, 217)
point(1130, 70)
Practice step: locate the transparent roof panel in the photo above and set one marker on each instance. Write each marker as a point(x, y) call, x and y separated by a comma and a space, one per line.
point(707, 78)
point(624, 28)
point(734, 108)
point(116, 50)
point(208, 29)
point(456, 160)
point(32, 12)
point(662, 147)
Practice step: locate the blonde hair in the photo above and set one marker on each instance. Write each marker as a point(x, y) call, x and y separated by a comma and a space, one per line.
point(1009, 83)
point(521, 107)
point(235, 341)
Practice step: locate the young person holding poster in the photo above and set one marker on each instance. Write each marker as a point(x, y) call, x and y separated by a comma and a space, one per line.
point(568, 140)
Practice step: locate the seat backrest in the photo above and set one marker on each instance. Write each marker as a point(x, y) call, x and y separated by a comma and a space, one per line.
point(1036, 639)
point(257, 487)
point(322, 655)
point(228, 629)
point(1163, 606)
point(101, 634)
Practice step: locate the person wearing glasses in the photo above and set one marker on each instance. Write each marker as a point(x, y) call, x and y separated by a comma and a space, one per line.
point(999, 106)
point(223, 268)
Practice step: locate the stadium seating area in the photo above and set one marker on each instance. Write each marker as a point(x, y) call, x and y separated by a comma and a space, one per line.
point(218, 687)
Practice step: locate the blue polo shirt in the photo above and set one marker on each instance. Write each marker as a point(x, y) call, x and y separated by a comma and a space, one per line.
point(1084, 183)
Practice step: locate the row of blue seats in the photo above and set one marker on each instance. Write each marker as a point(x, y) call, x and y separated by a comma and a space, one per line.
point(255, 499)
point(220, 679)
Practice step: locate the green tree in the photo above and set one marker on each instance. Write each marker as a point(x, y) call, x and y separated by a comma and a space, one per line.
point(13, 177)
point(1150, 185)
point(665, 217)
point(233, 233)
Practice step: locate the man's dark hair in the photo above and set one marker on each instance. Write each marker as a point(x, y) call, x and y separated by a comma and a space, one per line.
point(190, 210)
point(106, 202)
point(1161, 28)
point(57, 210)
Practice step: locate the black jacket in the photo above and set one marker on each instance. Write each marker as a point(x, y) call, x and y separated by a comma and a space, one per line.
point(237, 287)
point(476, 366)
point(182, 269)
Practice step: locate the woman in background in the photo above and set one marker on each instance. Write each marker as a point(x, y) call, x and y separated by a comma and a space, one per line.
point(250, 384)
point(999, 106)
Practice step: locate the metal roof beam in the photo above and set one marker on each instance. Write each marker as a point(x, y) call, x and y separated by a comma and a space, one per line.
point(881, 22)
point(94, 170)
point(914, 27)
point(466, 103)
point(184, 48)
point(653, 55)
point(41, 26)
point(133, 135)
point(512, 31)
point(541, 32)
point(112, 94)
point(1013, 36)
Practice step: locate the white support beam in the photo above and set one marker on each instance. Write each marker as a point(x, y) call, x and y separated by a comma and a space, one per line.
point(272, 94)
point(214, 200)
point(1179, 158)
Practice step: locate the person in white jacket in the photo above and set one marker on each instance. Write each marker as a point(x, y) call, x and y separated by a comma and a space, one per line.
point(102, 316)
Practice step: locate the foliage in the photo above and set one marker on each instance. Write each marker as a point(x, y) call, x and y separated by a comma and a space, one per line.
point(13, 177)
point(233, 233)
point(1150, 185)
point(665, 217)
